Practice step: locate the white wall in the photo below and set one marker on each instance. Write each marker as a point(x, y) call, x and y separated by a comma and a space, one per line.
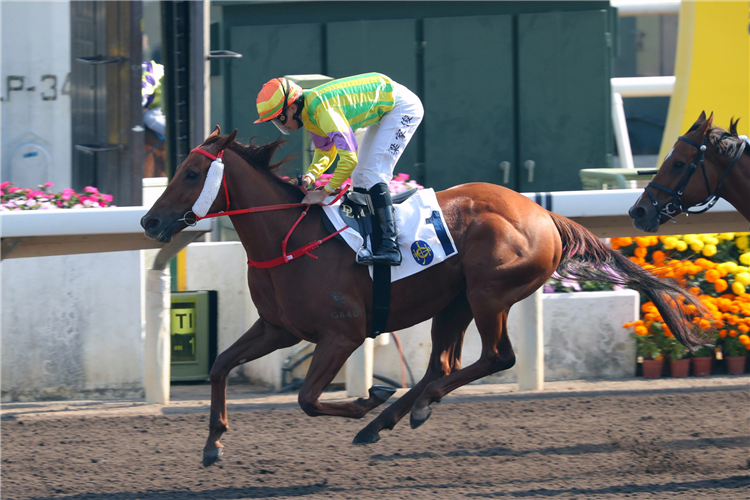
point(72, 326)
point(35, 138)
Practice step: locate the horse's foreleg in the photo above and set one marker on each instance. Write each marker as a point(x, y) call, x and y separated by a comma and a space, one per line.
point(259, 340)
point(448, 329)
point(329, 357)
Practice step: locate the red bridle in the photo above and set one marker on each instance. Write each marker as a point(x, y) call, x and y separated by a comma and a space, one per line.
point(285, 257)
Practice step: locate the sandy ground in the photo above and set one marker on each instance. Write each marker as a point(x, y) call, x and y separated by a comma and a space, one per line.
point(665, 438)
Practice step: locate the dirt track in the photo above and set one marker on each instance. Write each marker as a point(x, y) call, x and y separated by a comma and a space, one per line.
point(672, 444)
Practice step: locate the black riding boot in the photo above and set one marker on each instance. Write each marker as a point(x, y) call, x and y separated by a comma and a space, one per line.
point(388, 252)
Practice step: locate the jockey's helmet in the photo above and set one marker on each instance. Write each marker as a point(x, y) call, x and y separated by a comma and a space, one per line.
point(275, 97)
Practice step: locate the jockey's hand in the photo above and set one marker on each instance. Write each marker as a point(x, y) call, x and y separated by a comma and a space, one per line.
point(315, 197)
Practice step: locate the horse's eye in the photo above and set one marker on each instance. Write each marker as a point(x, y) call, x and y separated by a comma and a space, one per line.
point(678, 164)
point(191, 175)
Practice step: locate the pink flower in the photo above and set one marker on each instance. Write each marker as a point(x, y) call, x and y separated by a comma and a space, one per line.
point(49, 184)
point(91, 189)
point(59, 203)
point(4, 184)
point(107, 197)
point(32, 194)
point(12, 189)
point(83, 199)
point(67, 193)
point(2, 193)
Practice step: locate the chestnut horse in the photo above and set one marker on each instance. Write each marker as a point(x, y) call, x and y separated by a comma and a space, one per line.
point(705, 164)
point(508, 246)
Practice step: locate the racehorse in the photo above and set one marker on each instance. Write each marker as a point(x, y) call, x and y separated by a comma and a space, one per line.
point(508, 246)
point(154, 156)
point(723, 159)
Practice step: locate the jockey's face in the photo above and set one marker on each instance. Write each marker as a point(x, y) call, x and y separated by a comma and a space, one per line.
point(290, 125)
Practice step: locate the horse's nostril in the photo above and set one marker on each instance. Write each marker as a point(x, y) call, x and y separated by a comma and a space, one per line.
point(152, 222)
point(637, 212)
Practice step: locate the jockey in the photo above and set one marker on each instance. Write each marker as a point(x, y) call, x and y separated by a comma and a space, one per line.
point(153, 117)
point(332, 112)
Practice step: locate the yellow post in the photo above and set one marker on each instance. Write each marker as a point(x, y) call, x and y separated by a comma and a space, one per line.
point(182, 270)
point(712, 67)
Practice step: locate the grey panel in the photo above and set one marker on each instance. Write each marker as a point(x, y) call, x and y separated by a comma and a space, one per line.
point(468, 75)
point(269, 52)
point(387, 47)
point(564, 97)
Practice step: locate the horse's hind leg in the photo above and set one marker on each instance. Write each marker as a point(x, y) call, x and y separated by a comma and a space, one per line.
point(497, 354)
point(258, 341)
point(448, 329)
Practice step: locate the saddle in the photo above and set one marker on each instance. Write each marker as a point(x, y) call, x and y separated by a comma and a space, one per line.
point(357, 212)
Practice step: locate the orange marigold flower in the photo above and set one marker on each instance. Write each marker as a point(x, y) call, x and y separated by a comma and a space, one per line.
point(712, 275)
point(695, 290)
point(705, 324)
point(721, 285)
point(744, 339)
point(658, 256)
point(641, 330)
point(640, 252)
point(658, 358)
point(731, 319)
point(733, 333)
point(743, 328)
point(722, 333)
point(627, 325)
point(719, 323)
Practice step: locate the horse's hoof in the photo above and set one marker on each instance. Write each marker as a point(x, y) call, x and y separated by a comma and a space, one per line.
point(419, 416)
point(210, 457)
point(382, 392)
point(366, 437)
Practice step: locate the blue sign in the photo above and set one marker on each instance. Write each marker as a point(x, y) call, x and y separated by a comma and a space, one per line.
point(422, 252)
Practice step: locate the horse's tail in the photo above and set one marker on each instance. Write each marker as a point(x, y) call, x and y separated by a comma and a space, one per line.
point(586, 258)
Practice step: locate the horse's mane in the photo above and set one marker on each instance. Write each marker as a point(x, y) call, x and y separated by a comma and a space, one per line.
point(727, 143)
point(259, 157)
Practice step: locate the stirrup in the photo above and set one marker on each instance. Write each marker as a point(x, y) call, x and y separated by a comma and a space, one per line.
point(364, 256)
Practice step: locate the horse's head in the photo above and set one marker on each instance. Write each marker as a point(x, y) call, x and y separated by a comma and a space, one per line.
point(173, 211)
point(674, 188)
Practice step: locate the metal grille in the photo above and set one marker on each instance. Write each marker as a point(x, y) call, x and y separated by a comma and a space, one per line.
point(177, 79)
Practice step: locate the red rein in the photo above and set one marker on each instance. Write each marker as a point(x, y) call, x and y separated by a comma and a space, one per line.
point(285, 257)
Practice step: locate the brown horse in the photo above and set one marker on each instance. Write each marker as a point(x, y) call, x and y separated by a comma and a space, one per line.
point(154, 155)
point(723, 161)
point(508, 246)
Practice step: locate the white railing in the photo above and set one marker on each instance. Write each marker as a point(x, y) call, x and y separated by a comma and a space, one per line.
point(632, 8)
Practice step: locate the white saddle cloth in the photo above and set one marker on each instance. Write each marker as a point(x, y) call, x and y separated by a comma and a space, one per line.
point(420, 244)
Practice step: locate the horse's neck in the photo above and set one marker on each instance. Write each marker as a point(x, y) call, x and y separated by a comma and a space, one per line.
point(736, 185)
point(260, 233)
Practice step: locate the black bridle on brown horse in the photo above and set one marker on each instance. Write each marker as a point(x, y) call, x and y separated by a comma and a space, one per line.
point(677, 204)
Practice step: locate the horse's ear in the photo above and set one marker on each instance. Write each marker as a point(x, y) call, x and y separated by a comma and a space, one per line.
point(702, 117)
point(225, 141)
point(217, 131)
point(703, 129)
point(231, 137)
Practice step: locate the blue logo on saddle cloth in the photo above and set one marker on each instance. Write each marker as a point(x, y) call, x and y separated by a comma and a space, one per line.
point(422, 252)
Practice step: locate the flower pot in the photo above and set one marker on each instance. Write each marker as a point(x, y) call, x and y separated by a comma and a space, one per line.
point(652, 368)
point(702, 366)
point(679, 367)
point(736, 364)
